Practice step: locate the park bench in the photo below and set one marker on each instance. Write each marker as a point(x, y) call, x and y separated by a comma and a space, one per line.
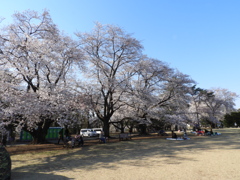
point(126, 136)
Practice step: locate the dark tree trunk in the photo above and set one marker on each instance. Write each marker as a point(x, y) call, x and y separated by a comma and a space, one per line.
point(122, 126)
point(131, 129)
point(131, 125)
point(39, 134)
point(142, 128)
point(119, 126)
point(106, 128)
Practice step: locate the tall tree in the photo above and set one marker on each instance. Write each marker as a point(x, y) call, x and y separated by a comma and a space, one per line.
point(197, 95)
point(218, 102)
point(232, 119)
point(34, 49)
point(111, 52)
point(156, 90)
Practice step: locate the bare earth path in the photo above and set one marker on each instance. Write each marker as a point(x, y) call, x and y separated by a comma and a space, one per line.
point(211, 158)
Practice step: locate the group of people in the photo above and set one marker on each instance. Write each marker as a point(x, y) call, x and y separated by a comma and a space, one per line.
point(77, 139)
point(200, 132)
point(184, 137)
point(204, 132)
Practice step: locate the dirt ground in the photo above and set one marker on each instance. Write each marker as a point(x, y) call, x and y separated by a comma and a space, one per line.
point(143, 158)
point(27, 147)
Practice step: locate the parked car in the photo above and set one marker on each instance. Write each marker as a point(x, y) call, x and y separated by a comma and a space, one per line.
point(98, 130)
point(88, 132)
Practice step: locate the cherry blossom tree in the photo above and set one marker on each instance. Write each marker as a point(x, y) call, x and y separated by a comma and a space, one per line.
point(33, 49)
point(119, 84)
point(195, 110)
point(110, 52)
point(161, 90)
point(216, 103)
point(155, 92)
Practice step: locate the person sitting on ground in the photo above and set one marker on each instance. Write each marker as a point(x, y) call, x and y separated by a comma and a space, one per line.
point(211, 132)
point(185, 136)
point(200, 132)
point(69, 140)
point(206, 132)
point(174, 135)
point(79, 139)
point(101, 137)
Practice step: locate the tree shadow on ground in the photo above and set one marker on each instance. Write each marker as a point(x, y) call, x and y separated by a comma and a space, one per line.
point(133, 153)
point(29, 175)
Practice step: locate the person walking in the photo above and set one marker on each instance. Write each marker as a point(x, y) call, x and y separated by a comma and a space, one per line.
point(60, 136)
point(101, 137)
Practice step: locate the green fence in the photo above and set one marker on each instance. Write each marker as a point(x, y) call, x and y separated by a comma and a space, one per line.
point(24, 136)
point(52, 134)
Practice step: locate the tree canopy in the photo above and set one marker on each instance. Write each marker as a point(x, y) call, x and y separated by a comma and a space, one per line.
point(48, 77)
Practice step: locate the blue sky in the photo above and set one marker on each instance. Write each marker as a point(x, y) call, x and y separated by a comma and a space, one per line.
point(200, 38)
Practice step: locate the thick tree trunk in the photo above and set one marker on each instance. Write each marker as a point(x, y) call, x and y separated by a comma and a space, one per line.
point(39, 134)
point(142, 129)
point(106, 128)
point(131, 129)
point(122, 127)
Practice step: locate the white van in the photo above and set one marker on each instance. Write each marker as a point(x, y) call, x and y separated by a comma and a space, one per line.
point(88, 132)
point(98, 130)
